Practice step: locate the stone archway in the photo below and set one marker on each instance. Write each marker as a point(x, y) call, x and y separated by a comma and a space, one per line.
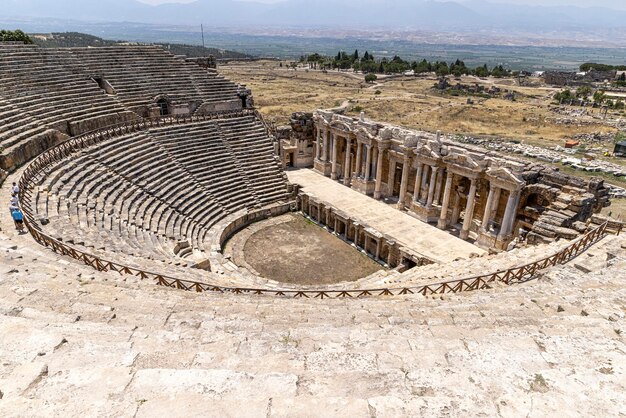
point(534, 201)
point(164, 106)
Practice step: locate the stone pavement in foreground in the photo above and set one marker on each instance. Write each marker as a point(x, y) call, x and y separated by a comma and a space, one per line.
point(419, 236)
point(75, 342)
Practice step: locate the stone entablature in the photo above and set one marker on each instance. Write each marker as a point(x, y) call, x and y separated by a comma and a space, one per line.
point(457, 186)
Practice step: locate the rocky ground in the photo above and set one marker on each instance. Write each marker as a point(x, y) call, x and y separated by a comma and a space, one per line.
point(80, 343)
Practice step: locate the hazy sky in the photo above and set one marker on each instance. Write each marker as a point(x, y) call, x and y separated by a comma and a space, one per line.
point(614, 4)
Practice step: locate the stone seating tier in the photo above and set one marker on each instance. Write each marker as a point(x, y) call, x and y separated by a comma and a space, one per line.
point(159, 194)
point(77, 342)
point(47, 94)
point(137, 72)
point(44, 84)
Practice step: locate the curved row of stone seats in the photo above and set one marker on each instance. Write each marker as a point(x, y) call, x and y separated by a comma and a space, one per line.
point(220, 88)
point(45, 84)
point(22, 136)
point(142, 188)
point(215, 169)
point(139, 73)
point(88, 226)
point(155, 194)
point(248, 142)
point(434, 273)
point(237, 164)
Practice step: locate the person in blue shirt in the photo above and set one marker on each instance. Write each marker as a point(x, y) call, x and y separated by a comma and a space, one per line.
point(18, 219)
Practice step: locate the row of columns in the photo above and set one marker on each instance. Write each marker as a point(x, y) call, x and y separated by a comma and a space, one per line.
point(326, 140)
point(427, 175)
point(369, 151)
point(433, 184)
point(321, 145)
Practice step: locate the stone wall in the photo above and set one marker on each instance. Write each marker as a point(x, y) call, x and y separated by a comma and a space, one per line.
point(565, 78)
point(16, 156)
point(296, 140)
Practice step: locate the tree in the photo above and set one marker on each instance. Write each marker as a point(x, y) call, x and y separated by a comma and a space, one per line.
point(599, 97)
point(14, 36)
point(583, 92)
point(366, 56)
point(441, 69)
point(564, 96)
point(499, 71)
point(481, 71)
point(422, 67)
point(370, 78)
point(355, 56)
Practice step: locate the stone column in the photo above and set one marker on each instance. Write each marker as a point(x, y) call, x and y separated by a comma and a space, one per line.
point(378, 248)
point(359, 158)
point(431, 188)
point(374, 168)
point(403, 182)
point(423, 190)
point(487, 215)
point(346, 167)
point(418, 182)
point(379, 174)
point(496, 202)
point(440, 181)
point(333, 172)
point(317, 144)
point(509, 215)
point(368, 163)
point(469, 211)
point(456, 209)
point(443, 218)
point(325, 150)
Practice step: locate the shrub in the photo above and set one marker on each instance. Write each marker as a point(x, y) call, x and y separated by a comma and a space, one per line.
point(370, 78)
point(14, 36)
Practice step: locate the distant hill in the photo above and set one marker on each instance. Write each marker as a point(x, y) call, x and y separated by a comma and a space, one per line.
point(397, 14)
point(75, 39)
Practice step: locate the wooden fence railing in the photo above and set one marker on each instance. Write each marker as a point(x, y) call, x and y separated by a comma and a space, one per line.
point(511, 276)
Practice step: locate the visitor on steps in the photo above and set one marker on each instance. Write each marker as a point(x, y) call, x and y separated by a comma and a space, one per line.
point(15, 189)
point(18, 219)
point(14, 202)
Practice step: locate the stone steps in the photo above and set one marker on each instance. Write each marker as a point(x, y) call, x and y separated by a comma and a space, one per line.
point(79, 342)
point(138, 73)
point(130, 199)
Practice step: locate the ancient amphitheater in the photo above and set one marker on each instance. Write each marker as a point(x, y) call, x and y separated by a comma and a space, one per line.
point(185, 258)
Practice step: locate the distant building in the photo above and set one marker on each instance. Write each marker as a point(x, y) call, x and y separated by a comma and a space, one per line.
point(565, 78)
point(620, 149)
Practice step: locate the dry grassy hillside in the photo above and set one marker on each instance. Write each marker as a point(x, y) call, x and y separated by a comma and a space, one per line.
point(409, 101)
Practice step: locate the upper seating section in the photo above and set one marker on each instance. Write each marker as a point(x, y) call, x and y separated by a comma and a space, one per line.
point(141, 75)
point(48, 94)
point(46, 85)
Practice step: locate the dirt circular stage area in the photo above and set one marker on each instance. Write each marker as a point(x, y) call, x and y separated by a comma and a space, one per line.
point(292, 249)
